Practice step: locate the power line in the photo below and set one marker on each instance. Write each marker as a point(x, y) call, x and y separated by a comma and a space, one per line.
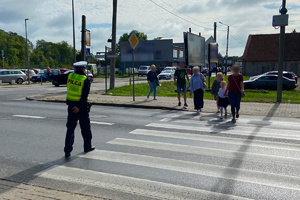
point(179, 16)
point(237, 39)
point(183, 13)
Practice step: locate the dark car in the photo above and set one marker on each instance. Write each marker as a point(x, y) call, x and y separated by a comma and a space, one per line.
point(269, 82)
point(287, 74)
point(42, 75)
point(61, 79)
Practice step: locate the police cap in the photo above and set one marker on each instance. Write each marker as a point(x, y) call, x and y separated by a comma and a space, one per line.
point(80, 64)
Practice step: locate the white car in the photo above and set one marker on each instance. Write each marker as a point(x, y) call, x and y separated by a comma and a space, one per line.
point(166, 74)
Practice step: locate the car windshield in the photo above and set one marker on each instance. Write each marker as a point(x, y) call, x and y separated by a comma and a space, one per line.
point(167, 71)
point(143, 68)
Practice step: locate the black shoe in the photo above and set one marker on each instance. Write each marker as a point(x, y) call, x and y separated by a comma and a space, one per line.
point(179, 104)
point(67, 155)
point(90, 149)
point(185, 105)
point(237, 115)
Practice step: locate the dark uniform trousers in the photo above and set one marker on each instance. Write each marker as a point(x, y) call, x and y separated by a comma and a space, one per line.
point(84, 122)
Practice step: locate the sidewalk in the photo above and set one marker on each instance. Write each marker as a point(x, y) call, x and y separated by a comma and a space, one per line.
point(13, 190)
point(170, 103)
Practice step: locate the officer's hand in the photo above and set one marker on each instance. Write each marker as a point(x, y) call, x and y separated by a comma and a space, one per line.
point(75, 109)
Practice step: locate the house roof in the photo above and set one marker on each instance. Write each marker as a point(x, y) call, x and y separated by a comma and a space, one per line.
point(264, 48)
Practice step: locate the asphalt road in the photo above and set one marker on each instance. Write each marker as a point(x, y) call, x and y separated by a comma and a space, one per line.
point(149, 154)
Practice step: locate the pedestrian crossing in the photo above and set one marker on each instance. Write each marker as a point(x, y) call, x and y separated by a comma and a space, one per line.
point(195, 157)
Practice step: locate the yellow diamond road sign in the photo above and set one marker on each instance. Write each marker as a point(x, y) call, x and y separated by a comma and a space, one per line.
point(133, 40)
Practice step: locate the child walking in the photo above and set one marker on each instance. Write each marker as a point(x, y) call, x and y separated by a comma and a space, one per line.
point(215, 88)
point(223, 99)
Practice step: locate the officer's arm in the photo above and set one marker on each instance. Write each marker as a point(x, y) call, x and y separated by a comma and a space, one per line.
point(85, 94)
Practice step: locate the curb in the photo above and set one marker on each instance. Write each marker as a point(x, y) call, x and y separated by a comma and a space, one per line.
point(115, 105)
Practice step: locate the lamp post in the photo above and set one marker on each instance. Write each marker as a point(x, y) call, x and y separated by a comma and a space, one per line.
point(74, 50)
point(27, 52)
point(226, 46)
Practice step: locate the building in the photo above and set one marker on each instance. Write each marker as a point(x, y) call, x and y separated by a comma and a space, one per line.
point(262, 52)
point(159, 52)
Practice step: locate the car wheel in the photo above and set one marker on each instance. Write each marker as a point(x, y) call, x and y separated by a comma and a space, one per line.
point(56, 85)
point(44, 80)
point(19, 81)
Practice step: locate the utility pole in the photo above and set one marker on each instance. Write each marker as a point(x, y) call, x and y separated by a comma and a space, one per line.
point(283, 11)
point(2, 54)
point(113, 45)
point(83, 39)
point(226, 66)
point(74, 50)
point(27, 59)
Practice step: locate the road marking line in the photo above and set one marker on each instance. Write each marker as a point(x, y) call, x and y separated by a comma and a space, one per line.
point(28, 116)
point(131, 185)
point(216, 139)
point(222, 153)
point(251, 123)
point(243, 175)
point(102, 123)
point(165, 120)
point(244, 132)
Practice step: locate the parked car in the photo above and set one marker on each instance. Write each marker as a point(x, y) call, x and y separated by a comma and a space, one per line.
point(43, 76)
point(31, 73)
point(61, 79)
point(166, 74)
point(63, 70)
point(36, 70)
point(269, 82)
point(143, 70)
point(170, 68)
point(8, 75)
point(93, 69)
point(287, 74)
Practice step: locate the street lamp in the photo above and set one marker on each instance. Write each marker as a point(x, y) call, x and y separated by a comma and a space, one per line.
point(74, 50)
point(226, 46)
point(27, 52)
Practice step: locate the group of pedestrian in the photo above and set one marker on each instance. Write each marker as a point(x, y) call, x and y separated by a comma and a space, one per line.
point(229, 93)
point(224, 93)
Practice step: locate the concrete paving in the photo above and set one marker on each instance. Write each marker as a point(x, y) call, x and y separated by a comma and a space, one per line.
point(247, 108)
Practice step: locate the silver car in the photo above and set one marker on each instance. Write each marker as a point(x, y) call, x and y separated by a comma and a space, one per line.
point(8, 75)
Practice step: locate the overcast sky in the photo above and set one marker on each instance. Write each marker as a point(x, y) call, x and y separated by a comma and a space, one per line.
point(51, 20)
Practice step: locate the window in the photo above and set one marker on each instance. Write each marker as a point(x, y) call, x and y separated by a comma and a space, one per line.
point(3, 73)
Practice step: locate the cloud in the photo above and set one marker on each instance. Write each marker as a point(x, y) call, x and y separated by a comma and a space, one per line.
point(52, 20)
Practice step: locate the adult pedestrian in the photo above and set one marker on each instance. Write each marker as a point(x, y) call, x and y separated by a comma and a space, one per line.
point(152, 81)
point(78, 88)
point(197, 88)
point(216, 86)
point(234, 90)
point(181, 76)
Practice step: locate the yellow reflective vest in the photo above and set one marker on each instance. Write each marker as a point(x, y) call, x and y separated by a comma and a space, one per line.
point(74, 86)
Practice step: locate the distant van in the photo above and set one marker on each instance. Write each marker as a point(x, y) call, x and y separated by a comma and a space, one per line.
point(143, 70)
point(92, 68)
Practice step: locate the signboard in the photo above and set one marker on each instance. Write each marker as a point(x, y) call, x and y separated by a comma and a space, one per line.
point(133, 40)
point(88, 38)
point(148, 51)
point(213, 52)
point(194, 49)
point(88, 52)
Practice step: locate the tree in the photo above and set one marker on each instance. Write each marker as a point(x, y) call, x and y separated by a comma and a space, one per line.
point(140, 35)
point(158, 38)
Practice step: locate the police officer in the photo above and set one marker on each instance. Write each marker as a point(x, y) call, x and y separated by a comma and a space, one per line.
point(78, 88)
